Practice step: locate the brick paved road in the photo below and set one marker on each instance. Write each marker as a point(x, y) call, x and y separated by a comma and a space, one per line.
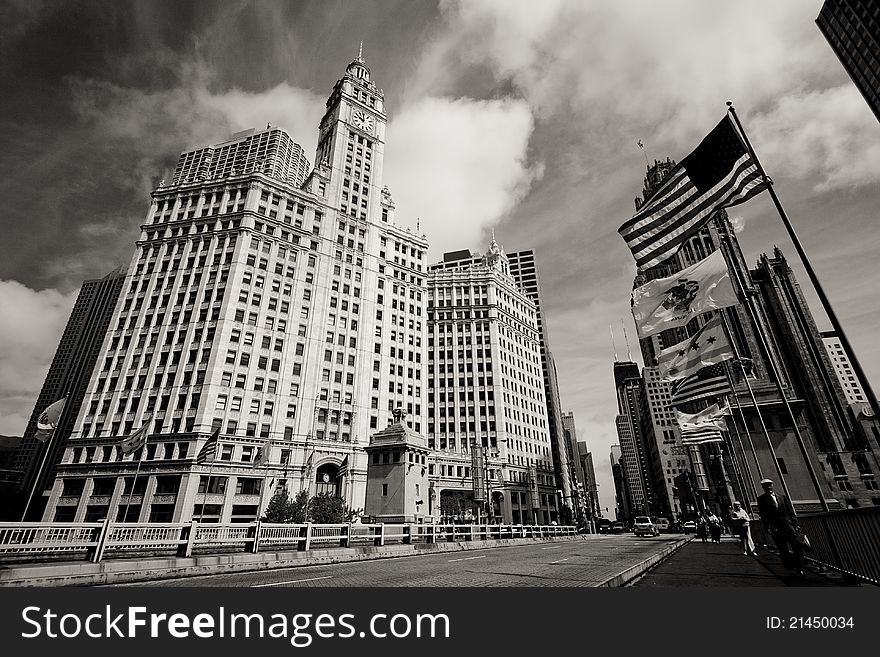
point(546, 564)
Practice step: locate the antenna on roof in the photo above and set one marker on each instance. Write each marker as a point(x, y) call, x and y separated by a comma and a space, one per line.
point(613, 346)
point(629, 355)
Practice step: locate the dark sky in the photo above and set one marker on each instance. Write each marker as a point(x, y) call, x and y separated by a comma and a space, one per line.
point(520, 116)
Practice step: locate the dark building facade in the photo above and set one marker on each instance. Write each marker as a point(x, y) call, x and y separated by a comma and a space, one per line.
point(68, 376)
point(790, 340)
point(852, 28)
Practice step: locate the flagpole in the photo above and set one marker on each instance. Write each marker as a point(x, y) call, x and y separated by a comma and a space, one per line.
point(134, 483)
point(39, 473)
point(744, 466)
point(777, 376)
point(826, 304)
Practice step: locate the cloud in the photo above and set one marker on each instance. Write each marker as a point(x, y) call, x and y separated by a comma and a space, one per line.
point(153, 126)
point(30, 330)
point(458, 165)
point(828, 136)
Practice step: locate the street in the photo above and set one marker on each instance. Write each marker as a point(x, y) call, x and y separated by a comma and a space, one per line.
point(546, 564)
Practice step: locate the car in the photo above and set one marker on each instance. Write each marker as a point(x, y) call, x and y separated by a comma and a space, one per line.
point(662, 524)
point(644, 527)
point(603, 526)
point(618, 528)
point(690, 527)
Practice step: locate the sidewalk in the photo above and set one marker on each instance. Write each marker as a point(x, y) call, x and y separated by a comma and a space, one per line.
point(724, 564)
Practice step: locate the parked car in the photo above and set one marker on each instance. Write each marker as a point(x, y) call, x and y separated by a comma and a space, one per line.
point(618, 528)
point(662, 525)
point(644, 527)
point(690, 527)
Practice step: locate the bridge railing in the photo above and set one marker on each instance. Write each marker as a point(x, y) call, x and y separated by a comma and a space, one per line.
point(847, 541)
point(96, 541)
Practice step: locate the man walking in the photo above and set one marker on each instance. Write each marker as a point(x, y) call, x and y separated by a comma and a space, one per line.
point(780, 521)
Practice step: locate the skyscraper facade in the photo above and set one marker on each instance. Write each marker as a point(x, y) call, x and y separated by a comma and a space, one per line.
point(852, 28)
point(524, 269)
point(32, 464)
point(842, 365)
point(630, 433)
point(485, 385)
point(285, 311)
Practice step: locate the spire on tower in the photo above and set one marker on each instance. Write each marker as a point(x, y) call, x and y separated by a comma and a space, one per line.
point(629, 355)
point(361, 52)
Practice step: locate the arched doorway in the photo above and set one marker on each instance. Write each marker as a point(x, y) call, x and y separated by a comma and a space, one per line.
point(327, 480)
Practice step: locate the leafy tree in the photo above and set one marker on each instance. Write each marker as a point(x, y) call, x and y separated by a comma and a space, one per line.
point(565, 515)
point(326, 508)
point(284, 510)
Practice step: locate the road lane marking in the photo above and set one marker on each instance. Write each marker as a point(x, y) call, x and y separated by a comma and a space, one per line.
point(310, 579)
point(558, 560)
point(467, 558)
point(553, 548)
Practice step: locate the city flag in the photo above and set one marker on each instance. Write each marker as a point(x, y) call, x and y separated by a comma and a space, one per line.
point(209, 449)
point(48, 420)
point(135, 441)
point(704, 426)
point(263, 454)
point(707, 383)
point(666, 303)
point(719, 173)
point(708, 346)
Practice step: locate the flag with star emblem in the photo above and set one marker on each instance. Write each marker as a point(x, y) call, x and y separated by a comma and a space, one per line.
point(709, 382)
point(719, 173)
point(666, 303)
point(705, 422)
point(707, 347)
point(48, 420)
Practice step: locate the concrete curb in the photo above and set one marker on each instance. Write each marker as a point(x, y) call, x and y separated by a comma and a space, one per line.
point(626, 576)
point(140, 570)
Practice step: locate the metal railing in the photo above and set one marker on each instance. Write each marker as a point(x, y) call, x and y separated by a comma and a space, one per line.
point(96, 541)
point(847, 541)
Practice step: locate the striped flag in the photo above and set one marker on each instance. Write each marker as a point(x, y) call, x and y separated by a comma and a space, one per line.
point(706, 347)
point(708, 382)
point(703, 427)
point(719, 173)
point(48, 420)
point(209, 449)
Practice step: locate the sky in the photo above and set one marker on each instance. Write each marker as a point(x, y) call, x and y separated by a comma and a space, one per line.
point(517, 116)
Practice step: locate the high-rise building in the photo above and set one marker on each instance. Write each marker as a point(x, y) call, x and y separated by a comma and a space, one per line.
point(722, 471)
point(623, 501)
point(842, 365)
point(32, 464)
point(630, 433)
point(485, 385)
point(591, 488)
point(287, 312)
point(577, 477)
point(852, 28)
point(524, 269)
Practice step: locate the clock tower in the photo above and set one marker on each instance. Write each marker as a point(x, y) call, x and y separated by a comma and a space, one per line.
point(351, 143)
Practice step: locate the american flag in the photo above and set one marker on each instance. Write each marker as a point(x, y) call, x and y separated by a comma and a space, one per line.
point(700, 436)
point(708, 382)
point(719, 173)
point(209, 449)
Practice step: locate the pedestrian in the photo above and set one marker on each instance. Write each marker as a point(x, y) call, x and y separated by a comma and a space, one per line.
point(714, 523)
point(702, 528)
point(779, 520)
point(740, 520)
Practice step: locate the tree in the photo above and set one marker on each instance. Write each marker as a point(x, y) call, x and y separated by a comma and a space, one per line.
point(326, 508)
point(284, 510)
point(565, 515)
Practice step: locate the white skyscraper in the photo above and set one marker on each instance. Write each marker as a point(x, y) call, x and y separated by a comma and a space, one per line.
point(285, 310)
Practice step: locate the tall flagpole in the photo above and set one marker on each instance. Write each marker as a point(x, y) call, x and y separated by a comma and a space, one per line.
point(776, 374)
point(820, 292)
point(134, 483)
point(744, 466)
point(39, 473)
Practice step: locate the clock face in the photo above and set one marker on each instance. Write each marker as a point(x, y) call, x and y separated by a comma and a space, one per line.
point(362, 120)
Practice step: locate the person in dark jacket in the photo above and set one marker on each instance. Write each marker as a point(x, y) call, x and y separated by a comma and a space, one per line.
point(779, 520)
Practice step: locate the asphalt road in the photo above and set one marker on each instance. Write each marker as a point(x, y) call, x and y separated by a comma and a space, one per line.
point(585, 562)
